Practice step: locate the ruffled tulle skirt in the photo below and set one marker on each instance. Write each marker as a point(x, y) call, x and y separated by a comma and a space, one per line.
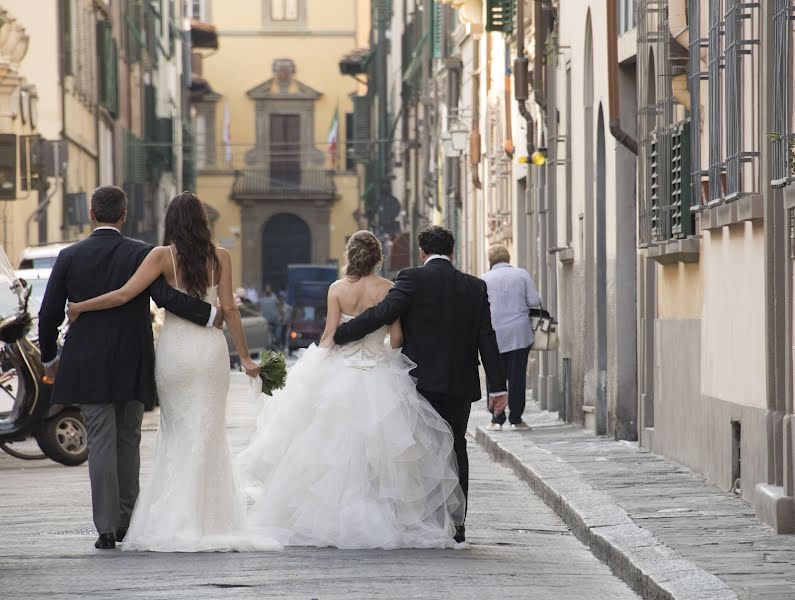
point(352, 456)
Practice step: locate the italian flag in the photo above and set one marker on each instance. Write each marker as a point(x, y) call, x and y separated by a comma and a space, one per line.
point(333, 133)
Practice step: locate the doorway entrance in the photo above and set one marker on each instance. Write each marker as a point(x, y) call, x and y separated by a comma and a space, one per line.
point(286, 240)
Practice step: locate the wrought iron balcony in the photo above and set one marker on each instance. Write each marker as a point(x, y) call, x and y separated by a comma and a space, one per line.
point(284, 183)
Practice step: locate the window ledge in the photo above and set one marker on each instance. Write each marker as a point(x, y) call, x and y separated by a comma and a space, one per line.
point(745, 209)
point(674, 251)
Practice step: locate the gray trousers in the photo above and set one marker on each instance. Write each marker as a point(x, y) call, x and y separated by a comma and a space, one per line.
point(114, 437)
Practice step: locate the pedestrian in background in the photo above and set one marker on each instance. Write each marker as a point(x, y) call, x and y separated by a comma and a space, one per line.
point(512, 293)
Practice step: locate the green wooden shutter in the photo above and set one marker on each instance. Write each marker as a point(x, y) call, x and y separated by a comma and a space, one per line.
point(362, 126)
point(682, 224)
point(436, 30)
point(499, 15)
point(108, 67)
point(654, 189)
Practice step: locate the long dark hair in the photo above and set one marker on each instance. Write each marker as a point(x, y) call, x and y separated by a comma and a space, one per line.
point(186, 227)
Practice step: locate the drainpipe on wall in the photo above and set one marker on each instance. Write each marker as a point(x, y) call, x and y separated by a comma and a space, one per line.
point(474, 136)
point(508, 145)
point(622, 137)
point(520, 74)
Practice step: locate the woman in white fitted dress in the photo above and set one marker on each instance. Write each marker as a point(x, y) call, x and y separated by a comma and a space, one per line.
point(191, 502)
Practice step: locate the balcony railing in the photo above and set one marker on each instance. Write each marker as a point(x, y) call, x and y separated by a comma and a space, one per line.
point(301, 183)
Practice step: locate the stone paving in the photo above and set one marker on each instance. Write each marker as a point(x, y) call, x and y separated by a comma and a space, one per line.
point(519, 548)
point(714, 530)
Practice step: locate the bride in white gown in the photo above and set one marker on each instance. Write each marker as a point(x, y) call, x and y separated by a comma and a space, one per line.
point(192, 502)
point(349, 454)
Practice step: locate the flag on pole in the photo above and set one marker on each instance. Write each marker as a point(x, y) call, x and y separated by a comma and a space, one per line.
point(332, 137)
point(227, 134)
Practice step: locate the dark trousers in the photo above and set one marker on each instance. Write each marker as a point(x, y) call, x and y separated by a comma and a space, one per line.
point(114, 437)
point(456, 412)
point(514, 364)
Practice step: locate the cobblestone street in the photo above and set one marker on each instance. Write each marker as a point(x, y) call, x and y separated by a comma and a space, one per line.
point(519, 548)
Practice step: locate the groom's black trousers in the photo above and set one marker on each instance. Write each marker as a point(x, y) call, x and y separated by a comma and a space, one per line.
point(456, 412)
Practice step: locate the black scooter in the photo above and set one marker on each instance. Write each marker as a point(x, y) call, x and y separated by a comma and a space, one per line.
point(59, 431)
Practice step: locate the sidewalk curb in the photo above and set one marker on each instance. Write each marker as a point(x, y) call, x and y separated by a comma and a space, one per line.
point(641, 560)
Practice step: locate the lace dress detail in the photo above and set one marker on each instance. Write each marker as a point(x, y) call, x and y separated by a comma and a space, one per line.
point(192, 502)
point(350, 455)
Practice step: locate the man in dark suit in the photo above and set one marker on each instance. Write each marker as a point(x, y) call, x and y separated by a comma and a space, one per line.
point(107, 363)
point(446, 322)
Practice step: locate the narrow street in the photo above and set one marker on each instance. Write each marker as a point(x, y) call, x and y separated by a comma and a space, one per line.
point(519, 548)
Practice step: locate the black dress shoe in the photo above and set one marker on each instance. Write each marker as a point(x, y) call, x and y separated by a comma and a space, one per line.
point(460, 534)
point(120, 533)
point(105, 541)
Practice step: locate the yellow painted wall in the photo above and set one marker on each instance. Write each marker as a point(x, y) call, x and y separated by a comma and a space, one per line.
point(680, 291)
point(244, 60)
point(732, 327)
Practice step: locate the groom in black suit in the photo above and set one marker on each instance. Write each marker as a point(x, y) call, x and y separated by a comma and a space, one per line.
point(446, 322)
point(107, 363)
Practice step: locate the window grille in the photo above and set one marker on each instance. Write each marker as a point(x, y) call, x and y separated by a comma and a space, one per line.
point(782, 138)
point(696, 75)
point(715, 101)
point(741, 21)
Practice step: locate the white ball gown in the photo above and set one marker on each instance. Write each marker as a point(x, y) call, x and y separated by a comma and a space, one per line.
point(192, 502)
point(350, 455)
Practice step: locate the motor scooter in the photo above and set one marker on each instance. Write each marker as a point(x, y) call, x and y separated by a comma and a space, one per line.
point(26, 414)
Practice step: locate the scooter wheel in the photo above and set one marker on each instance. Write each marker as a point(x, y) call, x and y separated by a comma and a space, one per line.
point(64, 439)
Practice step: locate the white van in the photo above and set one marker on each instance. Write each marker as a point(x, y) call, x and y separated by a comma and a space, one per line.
point(41, 257)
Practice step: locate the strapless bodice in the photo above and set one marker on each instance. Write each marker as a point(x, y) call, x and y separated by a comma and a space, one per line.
point(366, 352)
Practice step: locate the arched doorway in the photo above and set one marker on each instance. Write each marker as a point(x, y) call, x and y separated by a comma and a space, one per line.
point(286, 240)
point(601, 276)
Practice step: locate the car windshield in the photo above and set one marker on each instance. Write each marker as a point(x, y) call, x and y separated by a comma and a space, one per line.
point(38, 287)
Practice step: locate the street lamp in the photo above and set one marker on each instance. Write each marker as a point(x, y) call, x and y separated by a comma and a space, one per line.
point(456, 139)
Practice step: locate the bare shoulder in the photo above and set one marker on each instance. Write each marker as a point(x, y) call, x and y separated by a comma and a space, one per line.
point(386, 283)
point(223, 254)
point(338, 285)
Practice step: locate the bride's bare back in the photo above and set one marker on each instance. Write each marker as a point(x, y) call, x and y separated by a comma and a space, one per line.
point(354, 296)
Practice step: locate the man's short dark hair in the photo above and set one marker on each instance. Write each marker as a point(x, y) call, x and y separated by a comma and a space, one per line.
point(436, 240)
point(108, 203)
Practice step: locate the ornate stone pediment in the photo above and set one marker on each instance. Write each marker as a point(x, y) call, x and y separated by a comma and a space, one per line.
point(283, 85)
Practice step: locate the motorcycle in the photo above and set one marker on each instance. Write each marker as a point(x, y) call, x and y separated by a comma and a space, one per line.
point(30, 427)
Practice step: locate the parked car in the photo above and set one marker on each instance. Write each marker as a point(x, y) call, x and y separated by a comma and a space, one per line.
point(307, 293)
point(258, 334)
point(41, 257)
point(37, 280)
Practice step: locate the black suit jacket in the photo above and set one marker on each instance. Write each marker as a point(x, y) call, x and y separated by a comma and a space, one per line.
point(108, 355)
point(446, 321)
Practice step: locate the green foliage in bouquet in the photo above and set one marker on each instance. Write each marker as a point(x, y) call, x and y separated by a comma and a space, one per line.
point(272, 371)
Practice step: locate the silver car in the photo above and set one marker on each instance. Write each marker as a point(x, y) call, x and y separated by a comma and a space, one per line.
point(258, 334)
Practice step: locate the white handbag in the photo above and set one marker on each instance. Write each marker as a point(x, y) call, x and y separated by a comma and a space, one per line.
point(545, 330)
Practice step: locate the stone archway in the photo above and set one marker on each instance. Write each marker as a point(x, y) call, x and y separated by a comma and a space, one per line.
point(286, 240)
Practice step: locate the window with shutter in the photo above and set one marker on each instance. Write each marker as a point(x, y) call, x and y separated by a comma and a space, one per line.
point(437, 33)
point(362, 130)
point(682, 220)
point(499, 15)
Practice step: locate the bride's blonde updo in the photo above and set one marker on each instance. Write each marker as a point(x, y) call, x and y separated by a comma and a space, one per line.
point(363, 253)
